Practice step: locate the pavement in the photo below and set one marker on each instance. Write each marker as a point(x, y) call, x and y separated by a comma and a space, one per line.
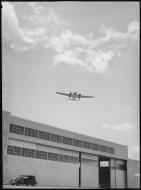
point(41, 187)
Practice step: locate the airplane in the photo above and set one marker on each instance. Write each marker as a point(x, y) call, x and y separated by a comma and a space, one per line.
point(74, 96)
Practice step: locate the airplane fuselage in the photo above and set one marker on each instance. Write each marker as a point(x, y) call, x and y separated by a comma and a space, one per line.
point(74, 96)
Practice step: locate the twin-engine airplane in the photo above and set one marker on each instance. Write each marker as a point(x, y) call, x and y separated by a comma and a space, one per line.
point(74, 95)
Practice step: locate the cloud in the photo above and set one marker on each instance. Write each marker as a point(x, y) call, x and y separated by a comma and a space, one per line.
point(112, 34)
point(71, 57)
point(119, 127)
point(133, 29)
point(11, 31)
point(68, 40)
point(43, 26)
point(46, 28)
point(97, 52)
point(74, 49)
point(99, 59)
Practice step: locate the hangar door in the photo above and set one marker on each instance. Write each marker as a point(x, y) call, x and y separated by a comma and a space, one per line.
point(89, 170)
point(118, 173)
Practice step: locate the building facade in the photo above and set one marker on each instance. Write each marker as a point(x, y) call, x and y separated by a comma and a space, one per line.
point(61, 158)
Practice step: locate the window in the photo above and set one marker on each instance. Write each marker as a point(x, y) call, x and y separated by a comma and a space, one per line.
point(13, 150)
point(66, 158)
point(86, 145)
point(67, 140)
point(90, 162)
point(44, 135)
point(16, 129)
point(31, 132)
point(63, 158)
point(104, 163)
point(28, 152)
point(103, 148)
point(110, 150)
point(77, 142)
point(95, 146)
point(73, 159)
point(52, 156)
point(121, 166)
point(56, 138)
point(41, 154)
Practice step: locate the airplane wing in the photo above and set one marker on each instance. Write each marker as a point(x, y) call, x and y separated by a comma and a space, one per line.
point(65, 94)
point(82, 96)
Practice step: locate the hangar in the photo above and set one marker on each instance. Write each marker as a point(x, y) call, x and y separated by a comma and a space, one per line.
point(61, 158)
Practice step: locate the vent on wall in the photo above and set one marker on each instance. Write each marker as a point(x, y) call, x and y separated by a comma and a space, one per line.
point(59, 139)
point(20, 151)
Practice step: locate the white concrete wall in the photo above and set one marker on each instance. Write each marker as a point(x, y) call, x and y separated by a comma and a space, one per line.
point(133, 173)
point(54, 173)
point(47, 172)
point(19, 165)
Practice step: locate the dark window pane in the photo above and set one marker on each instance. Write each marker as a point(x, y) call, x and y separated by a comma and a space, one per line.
point(44, 135)
point(86, 145)
point(63, 158)
point(111, 150)
point(56, 138)
point(41, 154)
point(16, 129)
point(95, 146)
point(103, 148)
point(14, 150)
point(67, 140)
point(52, 156)
point(120, 166)
point(77, 142)
point(28, 152)
point(31, 132)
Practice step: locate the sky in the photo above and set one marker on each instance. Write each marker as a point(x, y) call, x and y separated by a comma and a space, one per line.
point(88, 47)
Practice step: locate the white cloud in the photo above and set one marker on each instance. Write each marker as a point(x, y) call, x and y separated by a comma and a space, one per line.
point(95, 57)
point(23, 38)
point(72, 58)
point(111, 34)
point(11, 31)
point(133, 29)
point(99, 59)
point(119, 127)
point(68, 40)
point(51, 31)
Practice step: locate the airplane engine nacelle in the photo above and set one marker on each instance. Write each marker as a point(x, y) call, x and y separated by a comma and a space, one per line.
point(79, 96)
point(70, 94)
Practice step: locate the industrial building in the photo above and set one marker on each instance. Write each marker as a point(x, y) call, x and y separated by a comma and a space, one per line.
point(61, 158)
